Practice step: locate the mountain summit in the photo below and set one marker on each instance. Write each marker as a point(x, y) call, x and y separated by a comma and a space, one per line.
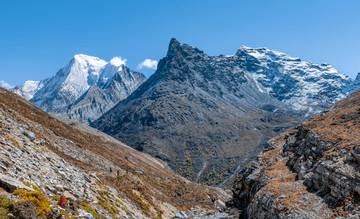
point(61, 94)
point(203, 115)
point(303, 85)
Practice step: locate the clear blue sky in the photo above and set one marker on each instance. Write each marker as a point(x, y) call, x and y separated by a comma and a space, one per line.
point(39, 37)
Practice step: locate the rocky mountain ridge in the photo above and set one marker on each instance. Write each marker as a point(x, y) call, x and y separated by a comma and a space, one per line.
point(203, 115)
point(83, 89)
point(228, 104)
point(311, 171)
point(44, 157)
point(305, 86)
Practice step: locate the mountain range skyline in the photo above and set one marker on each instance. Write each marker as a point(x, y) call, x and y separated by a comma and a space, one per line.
point(139, 31)
point(83, 72)
point(147, 67)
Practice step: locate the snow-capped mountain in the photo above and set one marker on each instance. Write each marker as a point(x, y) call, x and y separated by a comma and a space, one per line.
point(116, 64)
point(304, 85)
point(57, 93)
point(70, 82)
point(28, 89)
point(110, 90)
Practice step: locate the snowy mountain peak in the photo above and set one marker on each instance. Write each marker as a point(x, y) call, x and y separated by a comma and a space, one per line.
point(263, 53)
point(305, 85)
point(56, 93)
point(28, 89)
point(73, 79)
point(116, 64)
point(86, 59)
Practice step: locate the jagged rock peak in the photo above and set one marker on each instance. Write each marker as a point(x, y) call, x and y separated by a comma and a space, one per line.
point(176, 48)
point(356, 84)
point(194, 91)
point(358, 77)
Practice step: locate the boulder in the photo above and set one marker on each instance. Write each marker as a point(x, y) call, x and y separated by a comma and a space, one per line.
point(11, 184)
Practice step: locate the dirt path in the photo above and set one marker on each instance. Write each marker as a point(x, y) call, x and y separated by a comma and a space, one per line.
point(201, 171)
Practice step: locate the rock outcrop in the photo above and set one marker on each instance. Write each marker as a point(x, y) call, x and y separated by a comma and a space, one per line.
point(311, 171)
point(11, 184)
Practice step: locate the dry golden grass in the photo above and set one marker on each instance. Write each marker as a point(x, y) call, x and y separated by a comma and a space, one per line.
point(283, 183)
point(271, 154)
point(341, 126)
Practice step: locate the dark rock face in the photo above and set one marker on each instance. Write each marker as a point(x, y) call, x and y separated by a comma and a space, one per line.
point(357, 81)
point(203, 115)
point(311, 171)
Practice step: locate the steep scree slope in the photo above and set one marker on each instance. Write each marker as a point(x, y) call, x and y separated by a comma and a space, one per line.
point(311, 171)
point(53, 157)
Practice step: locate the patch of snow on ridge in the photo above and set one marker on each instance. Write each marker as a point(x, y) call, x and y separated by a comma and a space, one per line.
point(5, 85)
point(95, 62)
point(28, 89)
point(116, 64)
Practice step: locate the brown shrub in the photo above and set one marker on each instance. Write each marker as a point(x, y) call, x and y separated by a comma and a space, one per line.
point(24, 210)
